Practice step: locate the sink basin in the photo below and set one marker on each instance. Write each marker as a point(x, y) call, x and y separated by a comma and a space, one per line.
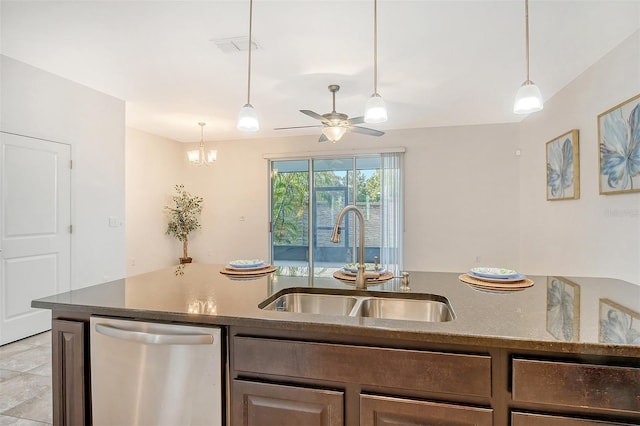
point(309, 303)
point(369, 304)
point(406, 309)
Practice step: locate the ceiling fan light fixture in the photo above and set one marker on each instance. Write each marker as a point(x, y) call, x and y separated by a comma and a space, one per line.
point(528, 99)
point(334, 133)
point(375, 110)
point(248, 119)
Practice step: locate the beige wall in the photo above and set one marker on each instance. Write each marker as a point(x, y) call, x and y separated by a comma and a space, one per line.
point(154, 167)
point(461, 198)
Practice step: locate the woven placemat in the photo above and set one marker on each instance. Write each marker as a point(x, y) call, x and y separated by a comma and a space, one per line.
point(512, 286)
point(251, 273)
point(340, 275)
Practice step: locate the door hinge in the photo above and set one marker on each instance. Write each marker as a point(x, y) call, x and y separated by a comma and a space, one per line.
point(270, 227)
point(71, 164)
point(71, 229)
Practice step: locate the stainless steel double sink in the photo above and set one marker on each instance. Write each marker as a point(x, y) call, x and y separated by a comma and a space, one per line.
point(353, 303)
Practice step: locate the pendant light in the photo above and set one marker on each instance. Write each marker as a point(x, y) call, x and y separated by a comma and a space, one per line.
point(334, 133)
point(248, 118)
point(200, 156)
point(375, 110)
point(528, 97)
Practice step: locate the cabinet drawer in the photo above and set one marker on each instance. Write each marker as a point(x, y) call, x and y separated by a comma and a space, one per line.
point(396, 368)
point(577, 385)
point(390, 411)
point(533, 419)
point(260, 404)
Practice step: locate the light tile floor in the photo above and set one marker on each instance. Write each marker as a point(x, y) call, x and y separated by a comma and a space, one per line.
point(25, 382)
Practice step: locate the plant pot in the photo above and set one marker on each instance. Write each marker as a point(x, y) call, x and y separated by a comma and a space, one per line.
point(185, 260)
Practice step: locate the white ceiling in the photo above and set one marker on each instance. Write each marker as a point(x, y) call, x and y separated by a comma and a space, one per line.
point(441, 63)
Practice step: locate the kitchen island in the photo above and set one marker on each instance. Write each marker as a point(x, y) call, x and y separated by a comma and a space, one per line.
point(545, 355)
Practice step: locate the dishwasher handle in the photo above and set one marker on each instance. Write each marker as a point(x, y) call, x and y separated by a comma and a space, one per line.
point(153, 338)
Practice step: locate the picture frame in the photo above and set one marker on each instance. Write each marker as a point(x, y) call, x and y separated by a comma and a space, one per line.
point(563, 167)
point(617, 324)
point(563, 309)
point(617, 128)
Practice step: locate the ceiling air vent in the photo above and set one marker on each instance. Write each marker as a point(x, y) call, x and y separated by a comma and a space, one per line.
point(235, 44)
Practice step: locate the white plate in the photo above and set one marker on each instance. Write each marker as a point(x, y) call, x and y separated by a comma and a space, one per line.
point(517, 277)
point(500, 273)
point(247, 268)
point(246, 263)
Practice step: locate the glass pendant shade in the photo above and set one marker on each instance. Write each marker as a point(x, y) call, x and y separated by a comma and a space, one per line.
point(194, 156)
point(528, 99)
point(212, 156)
point(334, 133)
point(248, 119)
point(375, 110)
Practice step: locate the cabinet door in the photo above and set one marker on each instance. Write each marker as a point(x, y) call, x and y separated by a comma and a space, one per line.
point(68, 372)
point(265, 404)
point(533, 419)
point(387, 411)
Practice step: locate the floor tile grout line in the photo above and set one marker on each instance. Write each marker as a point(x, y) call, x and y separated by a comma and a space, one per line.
point(22, 418)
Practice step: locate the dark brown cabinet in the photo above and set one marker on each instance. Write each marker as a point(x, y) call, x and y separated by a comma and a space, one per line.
point(390, 411)
point(442, 372)
point(300, 377)
point(602, 392)
point(68, 357)
point(266, 404)
point(377, 385)
point(533, 419)
point(577, 385)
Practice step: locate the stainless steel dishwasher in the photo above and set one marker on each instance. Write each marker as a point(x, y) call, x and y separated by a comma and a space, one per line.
point(155, 374)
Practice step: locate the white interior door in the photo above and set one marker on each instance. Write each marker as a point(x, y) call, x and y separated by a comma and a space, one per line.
point(35, 204)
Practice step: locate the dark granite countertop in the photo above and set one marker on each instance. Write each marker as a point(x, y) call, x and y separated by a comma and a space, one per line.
point(605, 312)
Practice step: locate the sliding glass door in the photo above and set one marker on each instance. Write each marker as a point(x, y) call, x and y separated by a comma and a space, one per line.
point(307, 196)
point(290, 183)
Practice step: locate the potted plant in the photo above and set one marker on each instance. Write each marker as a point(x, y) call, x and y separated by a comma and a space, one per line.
point(184, 218)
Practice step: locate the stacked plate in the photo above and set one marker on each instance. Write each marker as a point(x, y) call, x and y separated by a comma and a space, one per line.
point(496, 275)
point(352, 268)
point(246, 264)
point(373, 276)
point(247, 268)
point(498, 279)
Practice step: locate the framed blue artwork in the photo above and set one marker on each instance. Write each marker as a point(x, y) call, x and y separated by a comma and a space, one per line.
point(563, 167)
point(619, 140)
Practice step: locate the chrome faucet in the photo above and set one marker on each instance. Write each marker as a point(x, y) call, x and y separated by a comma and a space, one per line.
point(335, 238)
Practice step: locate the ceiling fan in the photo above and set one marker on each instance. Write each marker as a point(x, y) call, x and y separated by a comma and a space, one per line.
point(336, 124)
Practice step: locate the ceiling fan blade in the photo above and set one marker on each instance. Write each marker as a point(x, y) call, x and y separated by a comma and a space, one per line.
point(365, 131)
point(356, 120)
point(313, 115)
point(297, 127)
point(323, 138)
